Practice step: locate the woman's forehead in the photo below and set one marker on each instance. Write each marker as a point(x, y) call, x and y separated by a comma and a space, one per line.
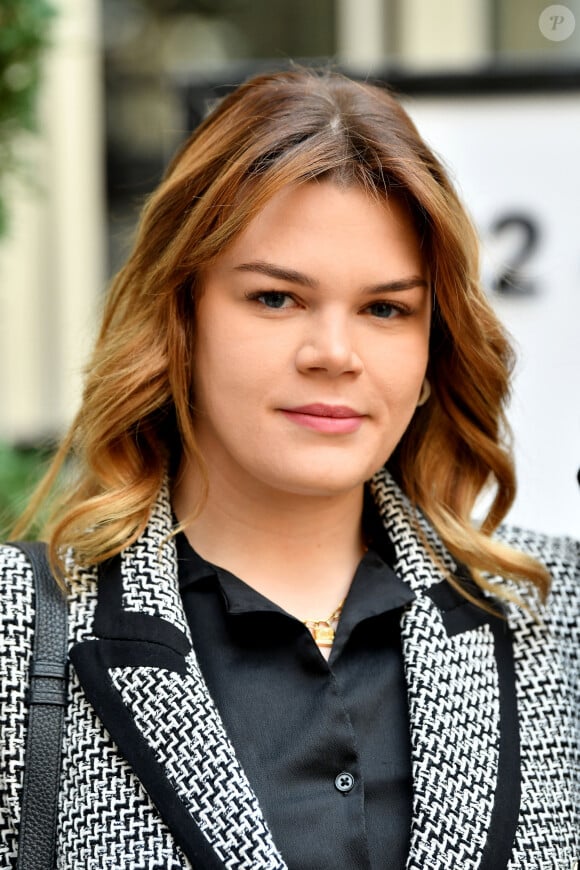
point(316, 216)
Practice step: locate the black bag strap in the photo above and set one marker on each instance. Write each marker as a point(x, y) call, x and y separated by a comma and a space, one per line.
point(47, 700)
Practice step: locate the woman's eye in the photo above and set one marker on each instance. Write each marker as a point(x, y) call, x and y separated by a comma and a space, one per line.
point(383, 309)
point(273, 299)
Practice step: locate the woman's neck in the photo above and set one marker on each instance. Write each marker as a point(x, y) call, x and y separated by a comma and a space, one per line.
point(300, 551)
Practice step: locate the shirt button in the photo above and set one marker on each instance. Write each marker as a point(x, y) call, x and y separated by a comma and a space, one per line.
point(344, 782)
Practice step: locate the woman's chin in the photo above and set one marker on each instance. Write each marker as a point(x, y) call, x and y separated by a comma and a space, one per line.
point(320, 484)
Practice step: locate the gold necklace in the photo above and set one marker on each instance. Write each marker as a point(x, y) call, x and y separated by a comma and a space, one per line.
point(322, 630)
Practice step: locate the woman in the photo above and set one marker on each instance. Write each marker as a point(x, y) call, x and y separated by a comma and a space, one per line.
point(290, 646)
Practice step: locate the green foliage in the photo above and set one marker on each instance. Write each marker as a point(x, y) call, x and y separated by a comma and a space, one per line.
point(20, 471)
point(24, 33)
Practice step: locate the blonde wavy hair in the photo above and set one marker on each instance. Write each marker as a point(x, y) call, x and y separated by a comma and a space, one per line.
point(137, 414)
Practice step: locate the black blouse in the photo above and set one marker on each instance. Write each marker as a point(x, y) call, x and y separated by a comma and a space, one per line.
point(325, 745)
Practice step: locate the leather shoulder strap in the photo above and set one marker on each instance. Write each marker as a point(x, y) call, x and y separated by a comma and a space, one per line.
point(47, 700)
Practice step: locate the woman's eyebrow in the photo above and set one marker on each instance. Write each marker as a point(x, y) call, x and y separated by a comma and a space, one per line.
point(284, 274)
point(279, 272)
point(400, 284)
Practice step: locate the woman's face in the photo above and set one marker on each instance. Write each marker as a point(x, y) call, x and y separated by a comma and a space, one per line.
point(312, 342)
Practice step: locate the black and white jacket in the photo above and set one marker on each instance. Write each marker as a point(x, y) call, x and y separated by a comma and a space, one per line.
point(151, 780)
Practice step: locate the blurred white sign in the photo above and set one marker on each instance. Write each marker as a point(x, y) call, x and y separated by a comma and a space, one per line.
point(516, 162)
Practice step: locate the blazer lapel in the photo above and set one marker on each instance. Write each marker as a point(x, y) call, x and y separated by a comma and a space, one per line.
point(140, 674)
point(462, 703)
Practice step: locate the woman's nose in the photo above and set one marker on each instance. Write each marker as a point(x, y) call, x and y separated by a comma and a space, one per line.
point(328, 346)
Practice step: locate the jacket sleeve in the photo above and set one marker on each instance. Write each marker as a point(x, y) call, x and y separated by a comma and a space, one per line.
point(564, 604)
point(16, 637)
point(560, 616)
point(563, 620)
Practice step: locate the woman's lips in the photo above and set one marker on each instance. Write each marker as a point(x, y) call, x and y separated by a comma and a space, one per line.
point(331, 419)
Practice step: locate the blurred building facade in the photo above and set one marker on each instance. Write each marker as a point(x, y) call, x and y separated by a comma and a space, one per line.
point(53, 260)
point(115, 106)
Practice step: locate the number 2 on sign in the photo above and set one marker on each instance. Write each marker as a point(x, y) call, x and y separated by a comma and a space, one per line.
point(524, 234)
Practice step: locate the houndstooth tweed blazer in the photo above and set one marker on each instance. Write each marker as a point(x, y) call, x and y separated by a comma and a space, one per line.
point(151, 780)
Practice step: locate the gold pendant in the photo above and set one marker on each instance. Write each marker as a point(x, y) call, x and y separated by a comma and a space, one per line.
point(323, 635)
point(322, 630)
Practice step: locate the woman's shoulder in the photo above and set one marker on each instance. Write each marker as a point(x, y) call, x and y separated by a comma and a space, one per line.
point(561, 556)
point(16, 580)
point(559, 553)
point(16, 606)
